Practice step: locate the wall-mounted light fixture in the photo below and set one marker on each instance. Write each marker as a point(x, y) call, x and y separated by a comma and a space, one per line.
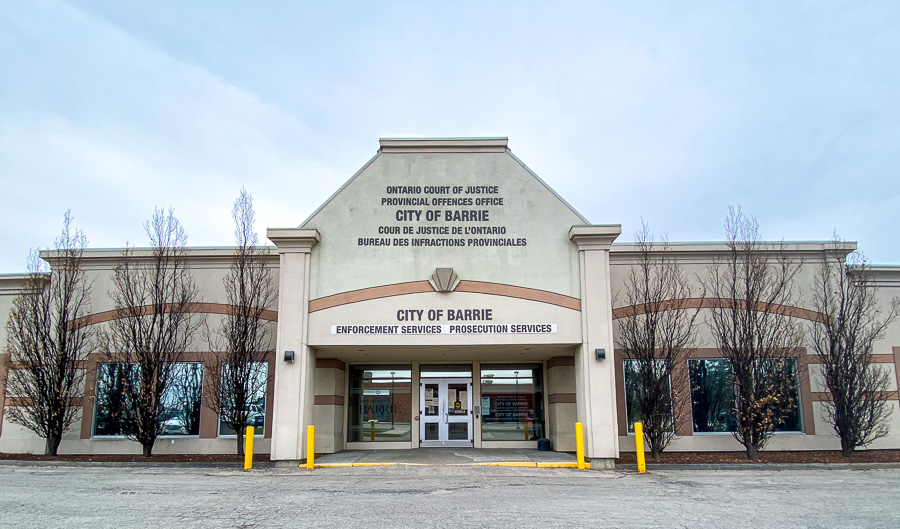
point(289, 356)
point(601, 354)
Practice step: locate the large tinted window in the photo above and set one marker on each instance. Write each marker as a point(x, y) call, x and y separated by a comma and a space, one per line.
point(258, 374)
point(182, 400)
point(380, 407)
point(635, 388)
point(113, 409)
point(180, 404)
point(512, 402)
point(789, 410)
point(713, 395)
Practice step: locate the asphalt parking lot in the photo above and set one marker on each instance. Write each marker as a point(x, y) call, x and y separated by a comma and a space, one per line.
point(34, 495)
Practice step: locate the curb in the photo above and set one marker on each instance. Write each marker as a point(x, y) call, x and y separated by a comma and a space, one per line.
point(142, 464)
point(762, 466)
point(269, 464)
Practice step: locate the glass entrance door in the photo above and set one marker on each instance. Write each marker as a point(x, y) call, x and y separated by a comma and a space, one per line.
point(446, 412)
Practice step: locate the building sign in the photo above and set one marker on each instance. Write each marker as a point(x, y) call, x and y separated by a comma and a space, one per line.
point(491, 328)
point(441, 216)
point(508, 408)
point(429, 322)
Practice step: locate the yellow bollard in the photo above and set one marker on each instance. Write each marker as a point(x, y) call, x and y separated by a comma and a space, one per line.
point(639, 446)
point(372, 424)
point(310, 446)
point(579, 445)
point(248, 448)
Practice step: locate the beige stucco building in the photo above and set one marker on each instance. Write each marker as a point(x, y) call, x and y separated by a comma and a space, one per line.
point(446, 296)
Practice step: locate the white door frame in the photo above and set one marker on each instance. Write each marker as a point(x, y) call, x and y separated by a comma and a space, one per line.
point(443, 417)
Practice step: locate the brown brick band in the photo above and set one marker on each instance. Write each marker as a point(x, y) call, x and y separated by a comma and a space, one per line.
point(510, 291)
point(715, 303)
point(329, 400)
point(421, 287)
point(200, 308)
point(330, 363)
point(560, 361)
point(561, 398)
point(365, 294)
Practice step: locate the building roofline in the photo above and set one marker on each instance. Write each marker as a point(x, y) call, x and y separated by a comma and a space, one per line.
point(812, 249)
point(338, 191)
point(416, 145)
point(547, 186)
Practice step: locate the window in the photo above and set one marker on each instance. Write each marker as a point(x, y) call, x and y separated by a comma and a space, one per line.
point(635, 389)
point(512, 402)
point(791, 417)
point(713, 395)
point(259, 377)
point(181, 402)
point(114, 409)
point(380, 407)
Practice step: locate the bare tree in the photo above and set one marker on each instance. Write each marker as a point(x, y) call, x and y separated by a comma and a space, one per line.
point(657, 337)
point(47, 349)
point(846, 296)
point(754, 286)
point(156, 320)
point(239, 376)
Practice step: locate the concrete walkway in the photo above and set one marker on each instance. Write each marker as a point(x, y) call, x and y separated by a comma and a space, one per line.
point(449, 456)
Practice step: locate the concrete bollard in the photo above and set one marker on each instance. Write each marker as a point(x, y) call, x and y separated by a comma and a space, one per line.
point(248, 448)
point(579, 445)
point(639, 446)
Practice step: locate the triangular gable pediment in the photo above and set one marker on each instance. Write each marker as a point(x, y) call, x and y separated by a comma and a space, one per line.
point(466, 204)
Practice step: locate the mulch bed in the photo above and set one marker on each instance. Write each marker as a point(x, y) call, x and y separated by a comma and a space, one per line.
point(136, 458)
point(711, 458)
point(680, 458)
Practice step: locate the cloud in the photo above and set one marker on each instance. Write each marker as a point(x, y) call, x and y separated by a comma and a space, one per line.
point(628, 111)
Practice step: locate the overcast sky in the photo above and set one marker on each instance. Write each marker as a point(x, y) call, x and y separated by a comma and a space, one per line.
point(668, 111)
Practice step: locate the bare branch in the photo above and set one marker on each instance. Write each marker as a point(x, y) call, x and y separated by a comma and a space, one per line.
point(48, 350)
point(657, 340)
point(752, 333)
point(240, 375)
point(845, 294)
point(154, 297)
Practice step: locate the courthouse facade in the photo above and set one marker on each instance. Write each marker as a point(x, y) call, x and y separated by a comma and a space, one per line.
point(446, 296)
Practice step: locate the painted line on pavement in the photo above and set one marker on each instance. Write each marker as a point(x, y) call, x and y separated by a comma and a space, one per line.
point(527, 464)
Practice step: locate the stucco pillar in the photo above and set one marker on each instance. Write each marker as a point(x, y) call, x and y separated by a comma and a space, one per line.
point(595, 383)
point(294, 396)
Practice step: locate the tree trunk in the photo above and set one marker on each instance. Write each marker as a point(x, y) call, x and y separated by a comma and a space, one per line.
point(148, 450)
point(847, 448)
point(752, 452)
point(52, 445)
point(655, 450)
point(240, 442)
